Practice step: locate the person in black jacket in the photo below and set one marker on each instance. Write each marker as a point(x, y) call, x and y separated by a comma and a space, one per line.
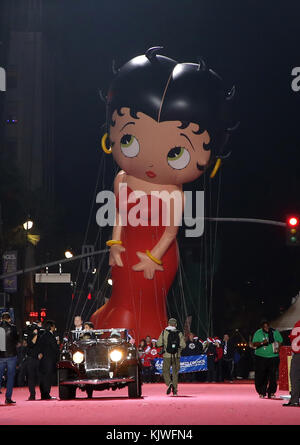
point(33, 357)
point(211, 357)
point(21, 370)
point(8, 353)
point(48, 353)
point(228, 346)
point(193, 347)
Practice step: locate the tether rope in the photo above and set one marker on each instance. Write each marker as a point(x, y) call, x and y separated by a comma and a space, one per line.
point(73, 310)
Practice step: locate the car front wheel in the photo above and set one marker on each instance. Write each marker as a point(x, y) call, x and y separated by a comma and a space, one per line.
point(89, 391)
point(65, 392)
point(135, 388)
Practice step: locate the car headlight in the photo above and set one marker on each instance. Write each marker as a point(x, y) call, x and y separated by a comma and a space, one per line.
point(78, 357)
point(115, 355)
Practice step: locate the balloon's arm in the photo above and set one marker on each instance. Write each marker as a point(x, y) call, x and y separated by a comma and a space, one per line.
point(117, 230)
point(170, 233)
point(116, 249)
point(164, 243)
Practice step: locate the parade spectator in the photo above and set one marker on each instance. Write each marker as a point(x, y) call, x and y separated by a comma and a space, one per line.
point(190, 345)
point(146, 360)
point(211, 356)
point(147, 364)
point(8, 354)
point(218, 360)
point(172, 342)
point(155, 353)
point(48, 354)
point(266, 342)
point(201, 375)
point(21, 369)
point(193, 347)
point(39, 326)
point(33, 360)
point(228, 347)
point(148, 342)
point(141, 349)
point(149, 361)
point(200, 345)
point(142, 344)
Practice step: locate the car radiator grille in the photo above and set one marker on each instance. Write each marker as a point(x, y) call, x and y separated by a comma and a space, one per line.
point(96, 358)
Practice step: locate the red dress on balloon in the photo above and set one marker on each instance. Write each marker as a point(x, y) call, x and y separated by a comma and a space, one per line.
point(137, 303)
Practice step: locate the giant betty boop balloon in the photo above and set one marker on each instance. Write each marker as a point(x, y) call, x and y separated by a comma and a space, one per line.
point(166, 123)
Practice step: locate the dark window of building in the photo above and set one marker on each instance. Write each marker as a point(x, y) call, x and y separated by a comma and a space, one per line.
point(11, 78)
point(11, 147)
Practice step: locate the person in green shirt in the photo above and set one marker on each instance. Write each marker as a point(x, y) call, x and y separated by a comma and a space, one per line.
point(266, 342)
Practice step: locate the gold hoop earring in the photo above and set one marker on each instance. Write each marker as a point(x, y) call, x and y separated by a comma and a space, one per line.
point(103, 144)
point(216, 168)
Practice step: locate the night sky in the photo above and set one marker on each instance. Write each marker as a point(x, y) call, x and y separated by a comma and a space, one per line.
point(251, 44)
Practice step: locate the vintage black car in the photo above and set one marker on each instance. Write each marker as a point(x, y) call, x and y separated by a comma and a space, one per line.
point(97, 360)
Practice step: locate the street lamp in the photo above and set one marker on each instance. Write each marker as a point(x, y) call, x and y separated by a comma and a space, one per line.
point(68, 253)
point(28, 224)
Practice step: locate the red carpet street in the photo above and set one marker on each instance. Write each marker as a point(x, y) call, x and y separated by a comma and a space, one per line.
point(196, 404)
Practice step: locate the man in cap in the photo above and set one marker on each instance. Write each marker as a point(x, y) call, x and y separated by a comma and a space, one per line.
point(172, 342)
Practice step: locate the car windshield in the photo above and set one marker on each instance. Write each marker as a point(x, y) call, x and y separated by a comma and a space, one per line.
point(100, 334)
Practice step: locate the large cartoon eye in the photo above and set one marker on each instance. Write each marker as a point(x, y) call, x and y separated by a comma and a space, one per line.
point(178, 158)
point(129, 146)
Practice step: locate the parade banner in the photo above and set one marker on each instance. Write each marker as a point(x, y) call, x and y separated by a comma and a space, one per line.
point(10, 265)
point(190, 363)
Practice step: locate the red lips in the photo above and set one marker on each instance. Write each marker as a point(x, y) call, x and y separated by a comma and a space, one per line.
point(150, 174)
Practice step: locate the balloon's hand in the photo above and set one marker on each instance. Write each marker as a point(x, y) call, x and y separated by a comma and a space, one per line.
point(115, 255)
point(146, 265)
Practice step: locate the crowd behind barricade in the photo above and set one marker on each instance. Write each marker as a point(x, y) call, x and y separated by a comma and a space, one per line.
point(227, 359)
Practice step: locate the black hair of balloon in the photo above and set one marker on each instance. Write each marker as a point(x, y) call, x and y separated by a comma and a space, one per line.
point(166, 90)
